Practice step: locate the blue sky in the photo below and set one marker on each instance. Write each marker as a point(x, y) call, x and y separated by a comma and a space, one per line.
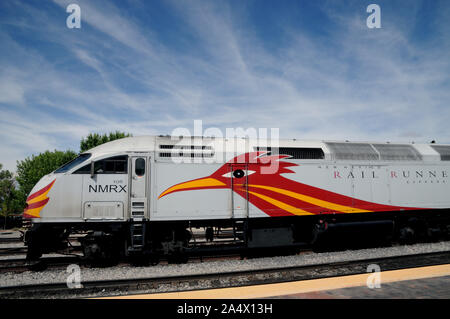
point(313, 69)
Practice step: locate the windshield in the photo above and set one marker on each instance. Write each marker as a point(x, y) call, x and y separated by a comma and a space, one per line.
point(75, 162)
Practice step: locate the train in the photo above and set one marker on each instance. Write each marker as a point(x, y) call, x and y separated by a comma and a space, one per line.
point(144, 197)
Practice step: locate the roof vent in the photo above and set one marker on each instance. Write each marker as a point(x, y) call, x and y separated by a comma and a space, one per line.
point(443, 150)
point(392, 152)
point(353, 151)
point(193, 151)
point(296, 152)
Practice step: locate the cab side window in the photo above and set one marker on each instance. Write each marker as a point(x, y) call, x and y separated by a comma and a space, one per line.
point(111, 165)
point(140, 167)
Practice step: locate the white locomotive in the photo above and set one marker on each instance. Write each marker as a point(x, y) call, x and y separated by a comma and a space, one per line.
point(141, 196)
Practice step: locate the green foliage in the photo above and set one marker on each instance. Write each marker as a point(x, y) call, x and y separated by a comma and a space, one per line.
point(9, 196)
point(31, 170)
point(95, 139)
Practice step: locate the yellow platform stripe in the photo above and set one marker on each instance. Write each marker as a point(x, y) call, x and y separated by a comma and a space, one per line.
point(297, 287)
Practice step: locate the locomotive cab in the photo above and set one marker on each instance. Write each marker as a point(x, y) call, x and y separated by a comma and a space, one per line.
point(95, 193)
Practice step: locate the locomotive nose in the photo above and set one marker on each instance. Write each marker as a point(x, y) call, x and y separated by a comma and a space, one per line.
point(38, 198)
point(200, 183)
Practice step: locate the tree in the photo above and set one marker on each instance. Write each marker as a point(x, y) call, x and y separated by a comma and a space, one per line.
point(9, 196)
point(95, 139)
point(31, 170)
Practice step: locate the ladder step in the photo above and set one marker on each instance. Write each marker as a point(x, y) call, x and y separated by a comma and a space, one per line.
point(135, 248)
point(137, 232)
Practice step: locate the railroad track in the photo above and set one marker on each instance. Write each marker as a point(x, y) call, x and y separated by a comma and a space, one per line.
point(22, 250)
point(220, 280)
point(6, 251)
point(19, 264)
point(59, 262)
point(12, 236)
point(6, 240)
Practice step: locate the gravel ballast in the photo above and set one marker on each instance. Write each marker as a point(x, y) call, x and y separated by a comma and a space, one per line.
point(222, 266)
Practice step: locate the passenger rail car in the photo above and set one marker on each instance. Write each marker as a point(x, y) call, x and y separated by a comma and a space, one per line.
point(142, 196)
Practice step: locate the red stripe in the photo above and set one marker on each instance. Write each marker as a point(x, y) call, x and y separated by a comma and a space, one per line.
point(308, 207)
point(26, 216)
point(266, 207)
point(284, 183)
point(40, 192)
point(38, 204)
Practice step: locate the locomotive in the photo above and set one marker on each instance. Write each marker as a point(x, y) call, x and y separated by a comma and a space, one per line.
point(141, 197)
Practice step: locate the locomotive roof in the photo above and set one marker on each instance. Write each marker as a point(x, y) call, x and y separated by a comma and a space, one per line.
point(369, 150)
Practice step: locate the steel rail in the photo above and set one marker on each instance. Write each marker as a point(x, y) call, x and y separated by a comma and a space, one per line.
point(223, 279)
point(20, 264)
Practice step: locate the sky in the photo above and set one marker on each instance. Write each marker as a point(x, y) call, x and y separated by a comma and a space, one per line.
point(313, 69)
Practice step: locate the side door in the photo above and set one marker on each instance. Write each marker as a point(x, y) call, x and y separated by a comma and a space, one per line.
point(139, 186)
point(239, 190)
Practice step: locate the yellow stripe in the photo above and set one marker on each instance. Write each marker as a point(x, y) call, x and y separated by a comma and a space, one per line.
point(34, 211)
point(198, 183)
point(314, 201)
point(40, 197)
point(283, 206)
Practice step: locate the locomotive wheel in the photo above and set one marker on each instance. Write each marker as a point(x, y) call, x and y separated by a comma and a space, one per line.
point(144, 260)
point(99, 250)
point(139, 261)
point(154, 259)
point(36, 265)
point(407, 236)
point(177, 258)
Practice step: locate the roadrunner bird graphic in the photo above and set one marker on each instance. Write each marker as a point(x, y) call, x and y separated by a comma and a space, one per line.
point(252, 176)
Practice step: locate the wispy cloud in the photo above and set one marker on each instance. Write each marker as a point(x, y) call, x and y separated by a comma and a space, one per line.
point(152, 67)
